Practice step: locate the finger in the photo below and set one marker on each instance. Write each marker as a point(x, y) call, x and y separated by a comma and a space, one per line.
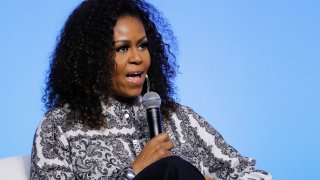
point(161, 153)
point(161, 137)
point(170, 153)
point(168, 145)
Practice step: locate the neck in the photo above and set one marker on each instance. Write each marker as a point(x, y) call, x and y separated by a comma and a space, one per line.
point(125, 100)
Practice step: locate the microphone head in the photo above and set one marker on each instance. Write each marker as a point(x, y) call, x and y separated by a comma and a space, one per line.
point(151, 100)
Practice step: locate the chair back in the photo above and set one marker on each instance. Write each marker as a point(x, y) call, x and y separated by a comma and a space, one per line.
point(15, 168)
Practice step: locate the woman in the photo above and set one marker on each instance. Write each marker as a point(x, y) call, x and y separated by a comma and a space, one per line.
point(96, 127)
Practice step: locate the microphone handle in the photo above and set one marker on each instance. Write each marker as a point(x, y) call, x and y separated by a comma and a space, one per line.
point(154, 121)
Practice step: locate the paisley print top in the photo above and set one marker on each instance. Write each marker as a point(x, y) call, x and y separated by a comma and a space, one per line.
point(66, 151)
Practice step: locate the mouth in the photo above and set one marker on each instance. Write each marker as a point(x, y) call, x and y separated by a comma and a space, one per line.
point(135, 77)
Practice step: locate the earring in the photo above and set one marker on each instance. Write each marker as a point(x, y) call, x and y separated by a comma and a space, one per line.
point(148, 83)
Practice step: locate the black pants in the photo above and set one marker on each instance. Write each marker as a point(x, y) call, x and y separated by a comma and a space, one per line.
point(170, 168)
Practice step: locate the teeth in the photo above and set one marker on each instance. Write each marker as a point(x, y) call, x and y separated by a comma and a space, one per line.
point(135, 74)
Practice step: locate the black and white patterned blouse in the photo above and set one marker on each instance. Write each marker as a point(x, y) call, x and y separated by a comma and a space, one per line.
point(66, 151)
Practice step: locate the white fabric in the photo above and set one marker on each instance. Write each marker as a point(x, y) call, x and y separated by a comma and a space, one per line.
point(66, 150)
point(15, 168)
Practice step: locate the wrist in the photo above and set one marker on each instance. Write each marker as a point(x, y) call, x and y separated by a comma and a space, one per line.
point(135, 167)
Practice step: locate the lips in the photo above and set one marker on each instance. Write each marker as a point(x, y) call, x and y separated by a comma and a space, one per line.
point(135, 77)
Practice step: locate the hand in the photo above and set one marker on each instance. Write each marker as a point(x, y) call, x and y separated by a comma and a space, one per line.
point(209, 178)
point(158, 147)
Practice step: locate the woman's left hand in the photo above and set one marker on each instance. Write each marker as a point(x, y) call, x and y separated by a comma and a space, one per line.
point(209, 178)
point(157, 148)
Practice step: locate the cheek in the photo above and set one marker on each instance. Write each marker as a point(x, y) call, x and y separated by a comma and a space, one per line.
point(147, 60)
point(119, 66)
point(116, 74)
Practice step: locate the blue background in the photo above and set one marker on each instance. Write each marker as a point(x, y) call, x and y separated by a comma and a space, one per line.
point(250, 67)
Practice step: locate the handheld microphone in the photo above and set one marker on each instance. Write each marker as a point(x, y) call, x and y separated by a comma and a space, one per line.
point(151, 101)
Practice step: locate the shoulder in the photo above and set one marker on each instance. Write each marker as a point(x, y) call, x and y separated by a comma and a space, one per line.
point(53, 118)
point(56, 114)
point(186, 115)
point(56, 118)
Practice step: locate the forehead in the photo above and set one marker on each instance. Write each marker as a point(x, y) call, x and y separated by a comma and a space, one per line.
point(128, 26)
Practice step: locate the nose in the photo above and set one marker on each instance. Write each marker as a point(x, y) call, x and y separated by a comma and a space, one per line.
point(135, 56)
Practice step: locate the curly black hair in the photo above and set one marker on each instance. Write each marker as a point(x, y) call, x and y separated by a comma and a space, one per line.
point(82, 63)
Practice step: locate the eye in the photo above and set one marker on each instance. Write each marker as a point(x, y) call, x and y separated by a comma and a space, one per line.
point(143, 46)
point(123, 48)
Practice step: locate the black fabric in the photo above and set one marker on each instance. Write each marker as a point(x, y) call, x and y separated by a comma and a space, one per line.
point(170, 168)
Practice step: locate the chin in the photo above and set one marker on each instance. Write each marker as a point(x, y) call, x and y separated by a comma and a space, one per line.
point(133, 95)
point(129, 94)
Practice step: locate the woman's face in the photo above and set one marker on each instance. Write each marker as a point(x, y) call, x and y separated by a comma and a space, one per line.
point(132, 58)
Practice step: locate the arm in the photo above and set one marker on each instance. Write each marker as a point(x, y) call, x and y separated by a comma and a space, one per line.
point(50, 152)
point(219, 159)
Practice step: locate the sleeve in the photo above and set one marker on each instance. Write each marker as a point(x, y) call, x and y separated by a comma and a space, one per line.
point(218, 159)
point(50, 157)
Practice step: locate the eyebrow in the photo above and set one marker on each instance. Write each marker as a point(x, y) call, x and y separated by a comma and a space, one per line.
point(127, 41)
